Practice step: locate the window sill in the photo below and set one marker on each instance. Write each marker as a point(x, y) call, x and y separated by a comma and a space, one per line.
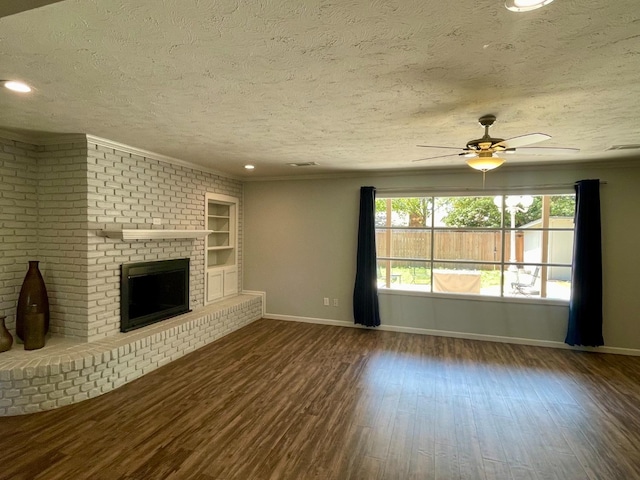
point(474, 298)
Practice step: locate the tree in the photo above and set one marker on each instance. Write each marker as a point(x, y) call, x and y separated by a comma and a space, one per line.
point(482, 212)
point(470, 212)
point(561, 206)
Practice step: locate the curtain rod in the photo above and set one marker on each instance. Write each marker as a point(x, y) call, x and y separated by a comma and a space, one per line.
point(548, 186)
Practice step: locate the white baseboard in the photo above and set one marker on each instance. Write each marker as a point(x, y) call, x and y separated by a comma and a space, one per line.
point(468, 336)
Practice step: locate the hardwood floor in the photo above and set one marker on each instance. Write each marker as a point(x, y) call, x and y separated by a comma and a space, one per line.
point(280, 400)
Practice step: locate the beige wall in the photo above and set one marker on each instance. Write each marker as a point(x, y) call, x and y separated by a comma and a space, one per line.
point(300, 244)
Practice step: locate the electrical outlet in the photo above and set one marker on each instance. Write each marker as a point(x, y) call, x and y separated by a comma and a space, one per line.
point(326, 301)
point(335, 302)
point(157, 221)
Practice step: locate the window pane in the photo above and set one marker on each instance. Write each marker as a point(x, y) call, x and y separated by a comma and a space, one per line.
point(461, 212)
point(458, 278)
point(563, 206)
point(527, 246)
point(526, 211)
point(479, 245)
point(522, 211)
point(404, 275)
point(403, 243)
point(559, 282)
point(523, 281)
point(405, 212)
point(532, 281)
point(560, 248)
point(523, 246)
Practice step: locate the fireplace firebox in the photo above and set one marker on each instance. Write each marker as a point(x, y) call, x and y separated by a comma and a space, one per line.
point(153, 291)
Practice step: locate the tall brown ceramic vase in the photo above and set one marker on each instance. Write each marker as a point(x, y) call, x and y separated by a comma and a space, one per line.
point(33, 299)
point(6, 340)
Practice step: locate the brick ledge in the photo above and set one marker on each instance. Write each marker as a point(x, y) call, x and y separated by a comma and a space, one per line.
point(67, 371)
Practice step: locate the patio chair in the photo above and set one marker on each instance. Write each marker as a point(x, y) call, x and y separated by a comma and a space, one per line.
point(526, 287)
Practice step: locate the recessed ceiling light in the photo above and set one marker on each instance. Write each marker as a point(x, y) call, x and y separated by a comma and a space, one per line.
point(525, 5)
point(17, 86)
point(249, 167)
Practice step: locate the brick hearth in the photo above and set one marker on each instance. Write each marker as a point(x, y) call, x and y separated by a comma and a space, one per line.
point(67, 370)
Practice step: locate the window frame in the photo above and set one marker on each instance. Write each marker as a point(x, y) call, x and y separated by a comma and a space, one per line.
point(502, 263)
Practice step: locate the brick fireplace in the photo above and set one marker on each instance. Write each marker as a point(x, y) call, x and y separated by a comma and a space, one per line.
point(56, 197)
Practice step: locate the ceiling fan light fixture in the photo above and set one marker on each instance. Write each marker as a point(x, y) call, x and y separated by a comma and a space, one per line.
point(525, 5)
point(485, 164)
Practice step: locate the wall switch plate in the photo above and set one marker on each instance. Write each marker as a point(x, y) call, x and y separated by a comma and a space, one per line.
point(326, 301)
point(335, 302)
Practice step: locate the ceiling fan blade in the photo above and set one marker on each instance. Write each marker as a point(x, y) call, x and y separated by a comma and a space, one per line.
point(522, 140)
point(439, 156)
point(436, 146)
point(543, 150)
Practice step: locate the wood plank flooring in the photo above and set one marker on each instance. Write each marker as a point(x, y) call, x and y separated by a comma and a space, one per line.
point(281, 400)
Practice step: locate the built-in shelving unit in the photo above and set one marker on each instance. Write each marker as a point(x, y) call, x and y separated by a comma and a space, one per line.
point(221, 255)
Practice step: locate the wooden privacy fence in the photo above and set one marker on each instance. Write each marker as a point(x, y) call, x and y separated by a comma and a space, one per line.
point(470, 245)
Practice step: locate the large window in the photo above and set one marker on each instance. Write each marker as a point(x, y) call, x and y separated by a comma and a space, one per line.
point(499, 246)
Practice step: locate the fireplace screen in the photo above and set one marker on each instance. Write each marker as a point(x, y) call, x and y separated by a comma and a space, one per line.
point(153, 291)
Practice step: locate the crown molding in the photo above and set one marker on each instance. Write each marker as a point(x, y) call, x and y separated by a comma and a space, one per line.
point(156, 156)
point(623, 159)
point(43, 139)
point(600, 163)
point(359, 174)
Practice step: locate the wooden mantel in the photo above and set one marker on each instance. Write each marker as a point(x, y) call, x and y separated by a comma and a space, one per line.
point(155, 234)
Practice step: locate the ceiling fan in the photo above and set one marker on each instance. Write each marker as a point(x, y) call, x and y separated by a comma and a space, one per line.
point(482, 152)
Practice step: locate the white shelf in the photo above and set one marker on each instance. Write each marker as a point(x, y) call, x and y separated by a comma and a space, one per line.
point(157, 234)
point(221, 251)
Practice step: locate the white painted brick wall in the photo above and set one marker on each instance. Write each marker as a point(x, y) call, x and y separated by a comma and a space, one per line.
point(55, 199)
point(62, 235)
point(128, 190)
point(18, 221)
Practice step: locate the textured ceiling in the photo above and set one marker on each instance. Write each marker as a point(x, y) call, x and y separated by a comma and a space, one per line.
point(351, 85)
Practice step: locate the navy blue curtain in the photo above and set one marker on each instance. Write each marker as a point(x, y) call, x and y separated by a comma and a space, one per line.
point(365, 294)
point(585, 306)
